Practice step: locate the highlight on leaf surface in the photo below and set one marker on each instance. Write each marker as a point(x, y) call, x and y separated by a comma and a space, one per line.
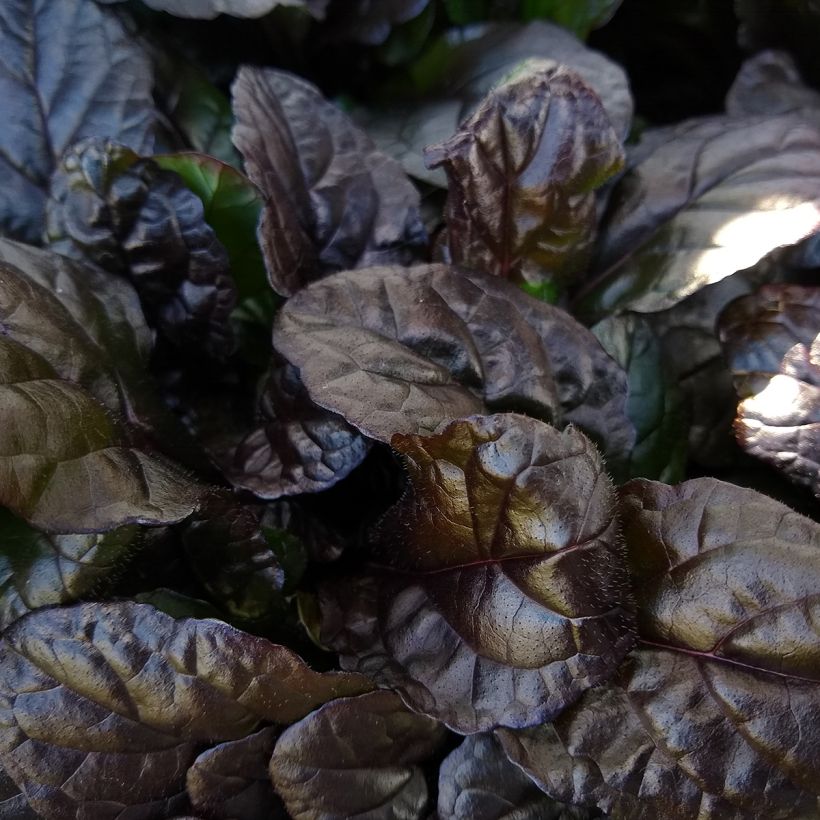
point(106, 706)
point(497, 591)
point(771, 339)
point(715, 713)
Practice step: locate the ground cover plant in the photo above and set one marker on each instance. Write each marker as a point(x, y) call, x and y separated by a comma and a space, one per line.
point(409, 409)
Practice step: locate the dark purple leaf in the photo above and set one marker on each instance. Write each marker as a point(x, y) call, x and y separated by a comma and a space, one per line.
point(232, 780)
point(499, 592)
point(717, 713)
point(104, 707)
point(475, 60)
point(333, 200)
point(356, 757)
point(208, 9)
point(370, 21)
point(68, 70)
point(523, 170)
point(702, 200)
point(129, 217)
point(771, 339)
point(38, 569)
point(478, 782)
point(402, 350)
point(242, 558)
point(295, 446)
point(13, 805)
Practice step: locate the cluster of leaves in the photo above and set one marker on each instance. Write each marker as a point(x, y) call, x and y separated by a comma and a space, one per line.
point(404, 454)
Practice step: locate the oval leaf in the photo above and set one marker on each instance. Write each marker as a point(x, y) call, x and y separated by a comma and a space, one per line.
point(485, 612)
point(96, 696)
point(232, 780)
point(717, 713)
point(333, 200)
point(402, 350)
point(523, 170)
point(702, 200)
point(771, 340)
point(69, 71)
point(356, 757)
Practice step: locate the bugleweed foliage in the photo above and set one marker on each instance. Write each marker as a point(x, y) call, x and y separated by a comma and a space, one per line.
point(409, 409)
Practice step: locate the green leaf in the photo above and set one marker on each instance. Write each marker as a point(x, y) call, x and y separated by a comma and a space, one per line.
point(233, 206)
point(579, 16)
point(655, 405)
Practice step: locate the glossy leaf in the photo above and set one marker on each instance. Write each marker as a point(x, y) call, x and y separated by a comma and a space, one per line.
point(38, 569)
point(232, 780)
point(485, 610)
point(333, 200)
point(97, 696)
point(523, 170)
point(90, 329)
point(716, 713)
point(356, 757)
point(656, 405)
point(702, 200)
point(295, 446)
point(771, 340)
point(68, 70)
point(478, 782)
point(129, 217)
point(464, 69)
point(65, 466)
point(402, 350)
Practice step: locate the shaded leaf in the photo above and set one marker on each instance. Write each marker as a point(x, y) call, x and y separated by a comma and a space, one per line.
point(702, 200)
point(294, 446)
point(370, 23)
point(242, 559)
point(232, 207)
point(89, 327)
point(500, 592)
point(356, 757)
point(692, 359)
point(578, 17)
point(232, 780)
point(129, 217)
point(523, 170)
point(655, 405)
point(333, 200)
point(64, 464)
point(771, 340)
point(68, 70)
point(716, 712)
point(478, 782)
point(463, 69)
point(770, 83)
point(38, 569)
point(401, 350)
point(97, 697)
point(198, 110)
